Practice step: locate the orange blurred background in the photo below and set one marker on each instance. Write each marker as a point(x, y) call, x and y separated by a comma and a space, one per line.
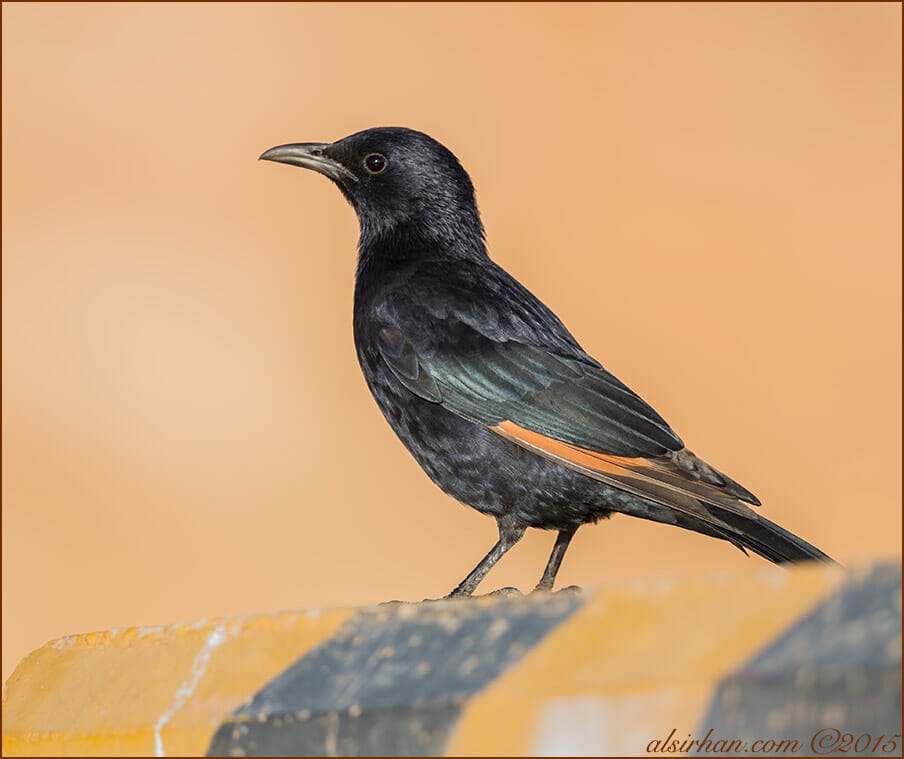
point(708, 195)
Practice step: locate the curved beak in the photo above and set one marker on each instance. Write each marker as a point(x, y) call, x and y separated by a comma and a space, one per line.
point(309, 155)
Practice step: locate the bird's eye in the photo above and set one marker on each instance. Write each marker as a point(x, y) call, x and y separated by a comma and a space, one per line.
point(375, 163)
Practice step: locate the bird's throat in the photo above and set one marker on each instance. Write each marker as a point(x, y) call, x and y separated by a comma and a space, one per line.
point(410, 241)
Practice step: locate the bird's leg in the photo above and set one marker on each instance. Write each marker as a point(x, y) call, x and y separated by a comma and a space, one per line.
point(555, 558)
point(509, 534)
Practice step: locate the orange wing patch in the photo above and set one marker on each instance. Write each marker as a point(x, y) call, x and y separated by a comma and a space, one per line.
point(658, 480)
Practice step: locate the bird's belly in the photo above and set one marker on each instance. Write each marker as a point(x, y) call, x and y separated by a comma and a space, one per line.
point(483, 470)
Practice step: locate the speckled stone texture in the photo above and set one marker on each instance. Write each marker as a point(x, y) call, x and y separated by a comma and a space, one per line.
point(838, 669)
point(392, 681)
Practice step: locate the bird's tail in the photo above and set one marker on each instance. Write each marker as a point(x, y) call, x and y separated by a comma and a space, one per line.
point(754, 532)
point(770, 540)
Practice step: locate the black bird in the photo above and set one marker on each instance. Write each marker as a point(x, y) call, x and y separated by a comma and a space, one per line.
point(483, 384)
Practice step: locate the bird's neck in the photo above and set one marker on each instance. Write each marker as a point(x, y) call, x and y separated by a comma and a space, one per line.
point(407, 242)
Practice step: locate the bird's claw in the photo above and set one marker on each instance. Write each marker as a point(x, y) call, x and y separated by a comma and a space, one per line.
point(506, 592)
point(566, 589)
point(499, 592)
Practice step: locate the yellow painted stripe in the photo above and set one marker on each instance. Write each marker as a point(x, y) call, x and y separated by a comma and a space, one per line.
point(141, 691)
point(636, 659)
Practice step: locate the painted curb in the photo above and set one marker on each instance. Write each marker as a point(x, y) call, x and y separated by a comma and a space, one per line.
point(626, 670)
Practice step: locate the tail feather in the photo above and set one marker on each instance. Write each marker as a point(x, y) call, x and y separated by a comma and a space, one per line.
point(772, 541)
point(754, 533)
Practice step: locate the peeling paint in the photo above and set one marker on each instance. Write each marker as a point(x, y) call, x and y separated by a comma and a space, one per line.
point(184, 692)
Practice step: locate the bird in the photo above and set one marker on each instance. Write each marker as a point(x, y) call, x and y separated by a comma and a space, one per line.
point(486, 387)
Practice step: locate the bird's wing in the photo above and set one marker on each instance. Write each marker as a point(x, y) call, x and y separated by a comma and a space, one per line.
point(488, 382)
point(678, 479)
point(560, 407)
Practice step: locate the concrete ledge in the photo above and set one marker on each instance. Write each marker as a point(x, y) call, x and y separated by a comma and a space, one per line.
point(767, 654)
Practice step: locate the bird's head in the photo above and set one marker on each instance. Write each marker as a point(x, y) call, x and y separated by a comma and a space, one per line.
point(396, 179)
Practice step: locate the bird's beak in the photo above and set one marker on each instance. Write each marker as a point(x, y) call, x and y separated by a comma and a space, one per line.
point(309, 155)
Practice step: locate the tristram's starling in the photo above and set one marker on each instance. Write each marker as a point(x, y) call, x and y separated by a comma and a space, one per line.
point(486, 387)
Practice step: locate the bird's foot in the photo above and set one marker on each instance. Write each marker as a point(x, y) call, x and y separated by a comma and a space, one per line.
point(505, 592)
point(492, 594)
point(566, 589)
point(448, 597)
point(452, 595)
